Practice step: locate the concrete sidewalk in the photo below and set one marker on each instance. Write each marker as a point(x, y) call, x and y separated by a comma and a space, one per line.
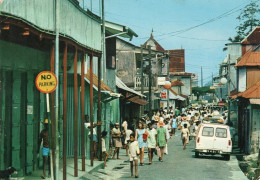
point(70, 170)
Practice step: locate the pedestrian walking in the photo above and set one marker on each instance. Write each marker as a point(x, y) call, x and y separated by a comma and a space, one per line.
point(104, 150)
point(134, 151)
point(174, 124)
point(116, 135)
point(128, 132)
point(141, 136)
point(161, 138)
point(111, 139)
point(184, 135)
point(44, 137)
point(151, 141)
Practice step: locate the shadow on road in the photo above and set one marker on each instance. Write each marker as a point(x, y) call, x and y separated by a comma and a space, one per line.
point(209, 157)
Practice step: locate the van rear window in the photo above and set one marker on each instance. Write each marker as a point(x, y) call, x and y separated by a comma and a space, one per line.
point(208, 131)
point(221, 132)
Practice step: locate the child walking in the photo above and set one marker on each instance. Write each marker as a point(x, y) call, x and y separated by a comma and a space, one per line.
point(134, 152)
point(184, 135)
point(104, 150)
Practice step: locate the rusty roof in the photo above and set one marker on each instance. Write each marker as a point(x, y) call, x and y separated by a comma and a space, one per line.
point(173, 92)
point(177, 83)
point(253, 37)
point(184, 96)
point(249, 59)
point(252, 92)
point(180, 74)
point(104, 87)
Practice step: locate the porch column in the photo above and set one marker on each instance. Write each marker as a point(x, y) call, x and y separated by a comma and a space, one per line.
point(75, 114)
point(91, 111)
point(99, 109)
point(65, 113)
point(83, 112)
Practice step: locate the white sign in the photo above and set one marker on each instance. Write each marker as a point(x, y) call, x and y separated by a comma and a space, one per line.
point(161, 81)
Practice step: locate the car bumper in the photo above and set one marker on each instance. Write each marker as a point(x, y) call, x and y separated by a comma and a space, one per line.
point(212, 151)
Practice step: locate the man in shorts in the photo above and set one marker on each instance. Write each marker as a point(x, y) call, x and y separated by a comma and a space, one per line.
point(44, 136)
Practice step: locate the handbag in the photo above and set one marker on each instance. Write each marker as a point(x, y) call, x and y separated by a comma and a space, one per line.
point(144, 136)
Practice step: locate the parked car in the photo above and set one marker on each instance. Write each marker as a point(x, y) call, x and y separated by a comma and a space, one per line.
point(213, 138)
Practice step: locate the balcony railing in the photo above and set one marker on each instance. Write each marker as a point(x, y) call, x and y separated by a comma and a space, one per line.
point(145, 82)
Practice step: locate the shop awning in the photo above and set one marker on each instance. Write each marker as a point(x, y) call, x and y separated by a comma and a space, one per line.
point(121, 85)
point(114, 29)
point(131, 95)
point(174, 95)
point(251, 93)
point(107, 93)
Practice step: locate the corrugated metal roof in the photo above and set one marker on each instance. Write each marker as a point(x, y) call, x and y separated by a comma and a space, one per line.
point(249, 59)
point(177, 60)
point(253, 37)
point(104, 87)
point(180, 74)
point(139, 101)
point(177, 83)
point(252, 92)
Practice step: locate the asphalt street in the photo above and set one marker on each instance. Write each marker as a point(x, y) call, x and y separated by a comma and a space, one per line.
point(181, 164)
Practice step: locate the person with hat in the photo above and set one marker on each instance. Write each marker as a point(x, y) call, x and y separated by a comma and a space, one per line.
point(44, 137)
point(116, 135)
point(161, 138)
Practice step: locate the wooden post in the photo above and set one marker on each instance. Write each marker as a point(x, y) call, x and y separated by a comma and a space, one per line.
point(83, 112)
point(65, 112)
point(52, 120)
point(75, 115)
point(99, 109)
point(91, 111)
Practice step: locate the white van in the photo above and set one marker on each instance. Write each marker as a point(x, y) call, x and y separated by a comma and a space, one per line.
point(213, 138)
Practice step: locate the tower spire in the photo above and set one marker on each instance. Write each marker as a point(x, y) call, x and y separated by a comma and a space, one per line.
point(151, 37)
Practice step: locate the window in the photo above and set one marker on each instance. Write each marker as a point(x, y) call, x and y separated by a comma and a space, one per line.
point(221, 132)
point(208, 131)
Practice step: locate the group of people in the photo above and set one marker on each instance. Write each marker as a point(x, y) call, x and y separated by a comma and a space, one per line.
point(152, 134)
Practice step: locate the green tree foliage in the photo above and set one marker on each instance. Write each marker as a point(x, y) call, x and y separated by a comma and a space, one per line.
point(249, 18)
point(201, 91)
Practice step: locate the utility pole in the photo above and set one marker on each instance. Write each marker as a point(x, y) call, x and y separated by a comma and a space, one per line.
point(103, 42)
point(201, 77)
point(228, 88)
point(150, 84)
point(57, 24)
point(168, 92)
point(142, 78)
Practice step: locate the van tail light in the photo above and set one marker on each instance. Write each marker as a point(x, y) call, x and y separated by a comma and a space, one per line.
point(229, 142)
point(198, 140)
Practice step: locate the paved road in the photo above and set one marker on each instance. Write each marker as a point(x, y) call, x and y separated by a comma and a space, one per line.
point(180, 164)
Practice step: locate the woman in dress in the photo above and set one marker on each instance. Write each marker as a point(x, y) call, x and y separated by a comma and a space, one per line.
point(139, 134)
point(116, 135)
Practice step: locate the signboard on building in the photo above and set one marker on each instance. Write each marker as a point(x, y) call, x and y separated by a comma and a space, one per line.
point(221, 103)
point(161, 81)
point(164, 95)
point(46, 82)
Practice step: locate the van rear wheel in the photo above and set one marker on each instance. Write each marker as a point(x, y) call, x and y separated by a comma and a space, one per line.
point(227, 157)
point(197, 154)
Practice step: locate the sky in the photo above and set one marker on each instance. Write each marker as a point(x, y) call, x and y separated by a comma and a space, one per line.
point(201, 27)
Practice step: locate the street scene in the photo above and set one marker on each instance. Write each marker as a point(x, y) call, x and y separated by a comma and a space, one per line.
point(120, 89)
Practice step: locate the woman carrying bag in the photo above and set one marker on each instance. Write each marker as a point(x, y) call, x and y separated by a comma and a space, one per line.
point(141, 136)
